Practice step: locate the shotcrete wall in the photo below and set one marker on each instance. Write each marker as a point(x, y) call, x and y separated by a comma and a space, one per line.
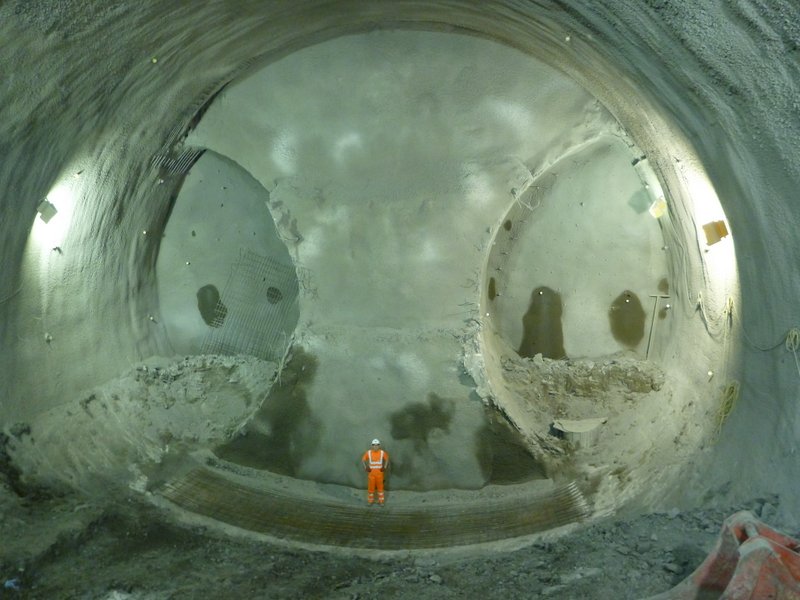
point(97, 99)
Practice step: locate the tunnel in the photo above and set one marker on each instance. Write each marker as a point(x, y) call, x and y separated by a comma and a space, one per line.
point(545, 251)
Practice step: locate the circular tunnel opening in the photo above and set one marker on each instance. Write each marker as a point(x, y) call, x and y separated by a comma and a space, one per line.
point(466, 228)
point(425, 167)
point(226, 282)
point(383, 182)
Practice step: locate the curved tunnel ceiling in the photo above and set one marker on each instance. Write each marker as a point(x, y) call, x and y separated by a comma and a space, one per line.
point(652, 255)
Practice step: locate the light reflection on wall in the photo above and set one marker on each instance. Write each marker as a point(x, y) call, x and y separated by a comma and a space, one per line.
point(719, 258)
point(46, 248)
point(51, 234)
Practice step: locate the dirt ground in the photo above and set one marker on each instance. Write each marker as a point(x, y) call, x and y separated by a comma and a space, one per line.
point(117, 544)
point(64, 546)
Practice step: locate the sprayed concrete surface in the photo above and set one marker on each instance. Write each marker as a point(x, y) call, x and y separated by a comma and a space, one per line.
point(461, 216)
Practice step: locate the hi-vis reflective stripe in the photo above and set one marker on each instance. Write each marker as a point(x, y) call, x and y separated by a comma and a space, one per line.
point(375, 464)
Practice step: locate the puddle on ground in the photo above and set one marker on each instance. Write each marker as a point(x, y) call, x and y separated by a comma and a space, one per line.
point(542, 332)
point(627, 317)
point(492, 288)
point(283, 432)
point(211, 309)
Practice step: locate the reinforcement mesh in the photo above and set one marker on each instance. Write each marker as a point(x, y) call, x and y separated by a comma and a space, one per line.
point(257, 310)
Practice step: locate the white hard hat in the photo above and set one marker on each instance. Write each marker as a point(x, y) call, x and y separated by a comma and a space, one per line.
point(376, 441)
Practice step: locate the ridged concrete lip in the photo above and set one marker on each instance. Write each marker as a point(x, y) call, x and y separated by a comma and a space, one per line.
point(255, 504)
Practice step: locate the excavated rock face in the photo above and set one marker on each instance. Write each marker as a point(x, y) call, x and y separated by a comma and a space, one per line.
point(151, 414)
point(602, 380)
point(605, 394)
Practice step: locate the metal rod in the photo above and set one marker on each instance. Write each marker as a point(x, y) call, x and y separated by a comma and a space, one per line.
point(656, 298)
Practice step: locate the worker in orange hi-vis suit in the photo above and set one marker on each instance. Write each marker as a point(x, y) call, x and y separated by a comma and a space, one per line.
point(375, 462)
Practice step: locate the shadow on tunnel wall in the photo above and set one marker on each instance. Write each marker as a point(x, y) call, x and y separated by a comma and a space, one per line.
point(284, 431)
point(499, 449)
point(542, 331)
point(502, 453)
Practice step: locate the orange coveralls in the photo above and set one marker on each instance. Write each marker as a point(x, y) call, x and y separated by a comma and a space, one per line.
point(377, 461)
